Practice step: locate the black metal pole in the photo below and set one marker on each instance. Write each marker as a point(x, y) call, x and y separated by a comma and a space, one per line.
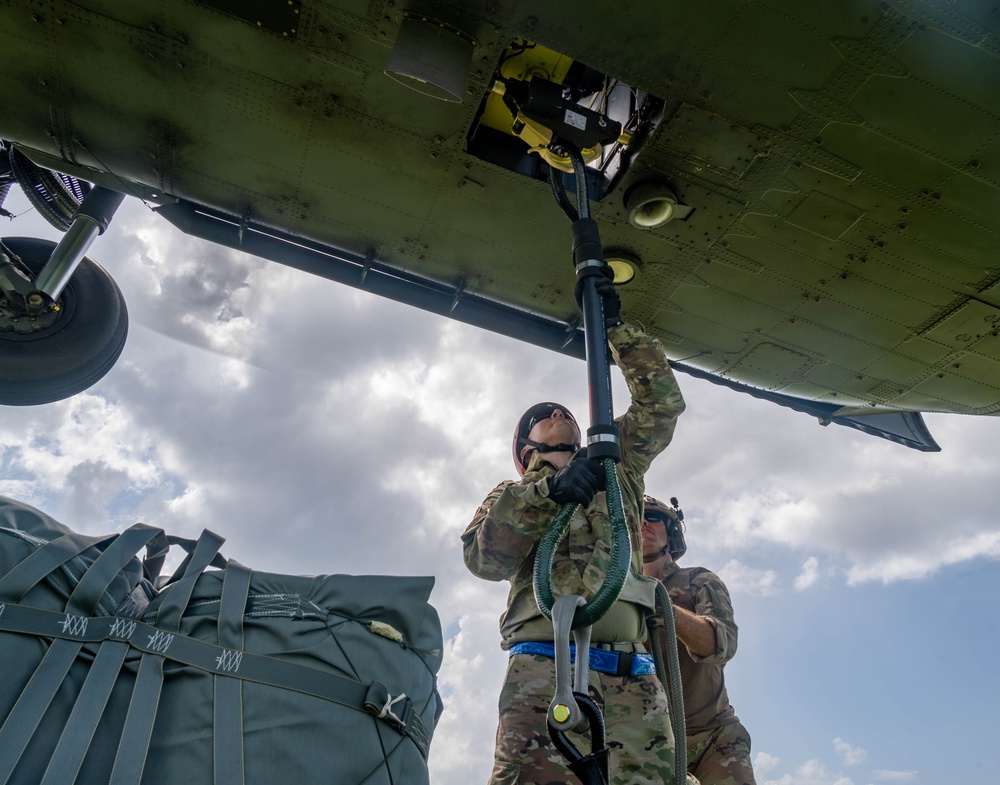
point(588, 258)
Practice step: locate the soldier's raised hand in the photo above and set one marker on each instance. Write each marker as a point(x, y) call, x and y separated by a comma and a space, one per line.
point(577, 483)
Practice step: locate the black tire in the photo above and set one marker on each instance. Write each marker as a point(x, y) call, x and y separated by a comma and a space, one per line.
point(78, 349)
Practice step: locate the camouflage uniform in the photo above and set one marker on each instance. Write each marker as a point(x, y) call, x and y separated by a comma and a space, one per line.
point(500, 544)
point(718, 746)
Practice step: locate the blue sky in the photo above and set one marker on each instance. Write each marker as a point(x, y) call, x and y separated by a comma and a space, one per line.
point(880, 667)
point(357, 435)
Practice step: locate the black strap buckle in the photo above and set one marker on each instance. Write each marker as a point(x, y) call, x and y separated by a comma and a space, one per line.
point(625, 659)
point(381, 705)
point(398, 712)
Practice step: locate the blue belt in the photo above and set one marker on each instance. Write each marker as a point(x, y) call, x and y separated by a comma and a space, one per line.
point(619, 663)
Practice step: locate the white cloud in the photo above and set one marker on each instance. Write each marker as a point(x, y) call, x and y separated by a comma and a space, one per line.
point(812, 772)
point(470, 685)
point(766, 515)
point(915, 566)
point(851, 756)
point(809, 574)
point(866, 509)
point(743, 578)
point(763, 763)
point(894, 776)
point(72, 432)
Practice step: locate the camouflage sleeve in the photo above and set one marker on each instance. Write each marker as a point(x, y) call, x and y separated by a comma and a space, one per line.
point(507, 526)
point(648, 425)
point(711, 601)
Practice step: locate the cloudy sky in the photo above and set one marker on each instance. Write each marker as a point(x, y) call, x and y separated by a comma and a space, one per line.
point(320, 429)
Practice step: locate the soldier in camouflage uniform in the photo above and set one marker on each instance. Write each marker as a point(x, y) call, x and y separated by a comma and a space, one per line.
point(501, 542)
point(718, 746)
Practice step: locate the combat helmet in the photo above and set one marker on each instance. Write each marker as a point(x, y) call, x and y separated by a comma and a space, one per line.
point(522, 446)
point(672, 518)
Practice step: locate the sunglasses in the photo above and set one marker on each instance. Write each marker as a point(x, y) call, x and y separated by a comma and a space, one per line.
point(547, 415)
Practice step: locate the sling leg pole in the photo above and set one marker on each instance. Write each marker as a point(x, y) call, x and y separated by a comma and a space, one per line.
point(588, 258)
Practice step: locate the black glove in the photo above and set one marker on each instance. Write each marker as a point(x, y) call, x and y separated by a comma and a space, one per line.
point(577, 482)
point(609, 293)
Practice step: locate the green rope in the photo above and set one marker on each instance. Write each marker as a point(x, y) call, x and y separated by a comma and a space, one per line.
point(668, 671)
point(621, 557)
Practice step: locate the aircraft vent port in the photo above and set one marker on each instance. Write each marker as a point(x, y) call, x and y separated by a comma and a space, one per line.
point(431, 57)
point(651, 205)
point(608, 118)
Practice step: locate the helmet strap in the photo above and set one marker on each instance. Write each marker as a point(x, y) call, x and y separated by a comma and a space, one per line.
point(654, 556)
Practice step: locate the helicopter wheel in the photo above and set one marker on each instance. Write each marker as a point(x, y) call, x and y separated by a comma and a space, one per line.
point(78, 349)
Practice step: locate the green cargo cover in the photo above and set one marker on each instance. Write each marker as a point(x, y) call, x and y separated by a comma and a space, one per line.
point(216, 675)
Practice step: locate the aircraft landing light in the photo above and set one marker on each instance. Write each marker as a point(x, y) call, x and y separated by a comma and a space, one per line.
point(625, 265)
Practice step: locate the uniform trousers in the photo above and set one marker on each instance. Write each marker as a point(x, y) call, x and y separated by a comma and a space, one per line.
point(638, 732)
point(721, 756)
